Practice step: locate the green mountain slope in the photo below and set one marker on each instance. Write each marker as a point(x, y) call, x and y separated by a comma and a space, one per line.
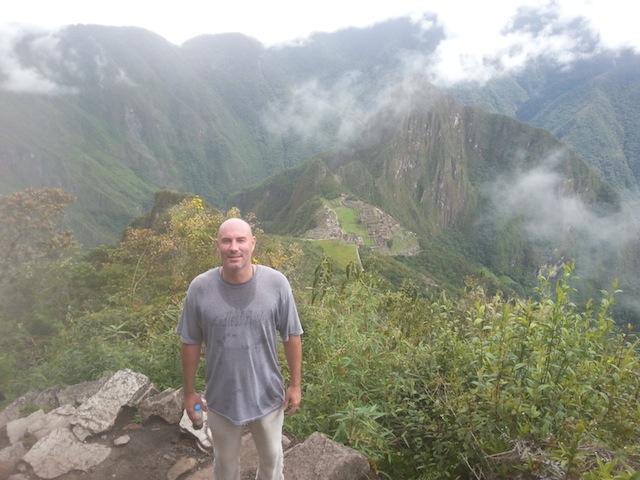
point(592, 106)
point(115, 114)
point(443, 170)
point(130, 114)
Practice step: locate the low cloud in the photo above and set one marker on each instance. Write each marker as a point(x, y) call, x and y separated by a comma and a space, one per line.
point(553, 213)
point(317, 112)
point(546, 199)
point(475, 48)
point(36, 76)
point(478, 47)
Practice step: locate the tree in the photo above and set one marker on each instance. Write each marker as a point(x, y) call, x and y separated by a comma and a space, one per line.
point(30, 229)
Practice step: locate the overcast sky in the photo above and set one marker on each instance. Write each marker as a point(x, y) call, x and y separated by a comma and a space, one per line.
point(475, 25)
point(481, 41)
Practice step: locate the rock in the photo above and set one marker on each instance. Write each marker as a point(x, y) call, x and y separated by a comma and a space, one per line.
point(6, 467)
point(18, 476)
point(12, 453)
point(62, 446)
point(14, 410)
point(17, 429)
point(181, 467)
point(47, 399)
point(10, 413)
point(320, 458)
point(204, 474)
point(122, 440)
point(98, 414)
point(167, 405)
point(60, 452)
point(78, 394)
point(59, 418)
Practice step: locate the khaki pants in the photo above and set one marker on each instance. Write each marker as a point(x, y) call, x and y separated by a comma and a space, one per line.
point(227, 437)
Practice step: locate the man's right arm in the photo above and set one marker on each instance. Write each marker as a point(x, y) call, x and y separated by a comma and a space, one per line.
point(190, 361)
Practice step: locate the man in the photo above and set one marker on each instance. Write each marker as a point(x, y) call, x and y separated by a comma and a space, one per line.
point(238, 310)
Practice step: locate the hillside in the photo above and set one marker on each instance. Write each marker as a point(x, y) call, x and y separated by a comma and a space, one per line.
point(482, 190)
point(114, 114)
point(591, 106)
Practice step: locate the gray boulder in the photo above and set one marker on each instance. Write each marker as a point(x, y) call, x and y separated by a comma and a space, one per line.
point(167, 405)
point(99, 413)
point(320, 458)
point(60, 452)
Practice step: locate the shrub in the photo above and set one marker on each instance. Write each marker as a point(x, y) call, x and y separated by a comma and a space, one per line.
point(479, 388)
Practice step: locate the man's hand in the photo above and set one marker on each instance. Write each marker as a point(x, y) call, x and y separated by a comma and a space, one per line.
point(292, 400)
point(190, 401)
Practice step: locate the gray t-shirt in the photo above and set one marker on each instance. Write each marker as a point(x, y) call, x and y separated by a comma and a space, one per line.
point(239, 325)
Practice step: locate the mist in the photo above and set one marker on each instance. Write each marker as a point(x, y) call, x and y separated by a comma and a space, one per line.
point(36, 78)
point(556, 216)
point(473, 50)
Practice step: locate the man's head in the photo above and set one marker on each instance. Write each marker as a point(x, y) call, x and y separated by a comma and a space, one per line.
point(235, 243)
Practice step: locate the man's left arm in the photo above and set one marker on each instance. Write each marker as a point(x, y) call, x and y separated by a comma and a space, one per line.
point(293, 354)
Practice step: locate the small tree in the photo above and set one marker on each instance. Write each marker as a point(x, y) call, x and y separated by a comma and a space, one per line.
point(33, 289)
point(30, 229)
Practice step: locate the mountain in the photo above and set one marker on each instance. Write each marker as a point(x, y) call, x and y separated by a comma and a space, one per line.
point(476, 171)
point(592, 105)
point(447, 171)
point(114, 114)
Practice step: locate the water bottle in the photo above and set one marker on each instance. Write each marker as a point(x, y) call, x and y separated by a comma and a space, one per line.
point(199, 417)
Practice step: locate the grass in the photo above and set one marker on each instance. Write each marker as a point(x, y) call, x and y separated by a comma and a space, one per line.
point(349, 221)
point(341, 252)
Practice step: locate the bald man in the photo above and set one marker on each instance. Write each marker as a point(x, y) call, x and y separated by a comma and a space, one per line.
point(238, 310)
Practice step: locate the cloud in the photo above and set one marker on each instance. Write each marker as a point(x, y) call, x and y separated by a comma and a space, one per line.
point(37, 76)
point(541, 197)
point(475, 48)
point(320, 113)
point(554, 214)
point(478, 47)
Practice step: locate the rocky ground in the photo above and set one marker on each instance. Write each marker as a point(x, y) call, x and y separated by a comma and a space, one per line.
point(121, 427)
point(153, 449)
point(154, 452)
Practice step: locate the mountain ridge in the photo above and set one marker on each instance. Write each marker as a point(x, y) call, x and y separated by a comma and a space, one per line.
point(431, 168)
point(127, 114)
point(137, 114)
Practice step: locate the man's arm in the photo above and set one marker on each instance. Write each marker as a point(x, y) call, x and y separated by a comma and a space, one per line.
point(190, 361)
point(293, 354)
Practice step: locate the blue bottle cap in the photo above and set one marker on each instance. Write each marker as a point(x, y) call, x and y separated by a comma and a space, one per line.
point(198, 407)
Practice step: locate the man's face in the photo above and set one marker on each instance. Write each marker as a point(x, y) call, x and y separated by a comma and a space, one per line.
point(235, 245)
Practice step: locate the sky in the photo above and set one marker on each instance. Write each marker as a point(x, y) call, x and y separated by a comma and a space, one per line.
point(481, 41)
point(475, 26)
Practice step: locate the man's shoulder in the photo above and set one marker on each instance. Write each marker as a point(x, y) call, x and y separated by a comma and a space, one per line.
point(272, 273)
point(204, 278)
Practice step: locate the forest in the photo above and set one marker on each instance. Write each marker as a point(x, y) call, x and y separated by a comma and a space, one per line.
point(426, 384)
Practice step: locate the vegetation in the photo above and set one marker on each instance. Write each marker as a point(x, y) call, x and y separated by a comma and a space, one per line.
point(427, 386)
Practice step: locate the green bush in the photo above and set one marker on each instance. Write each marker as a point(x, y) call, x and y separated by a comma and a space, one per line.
point(479, 388)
